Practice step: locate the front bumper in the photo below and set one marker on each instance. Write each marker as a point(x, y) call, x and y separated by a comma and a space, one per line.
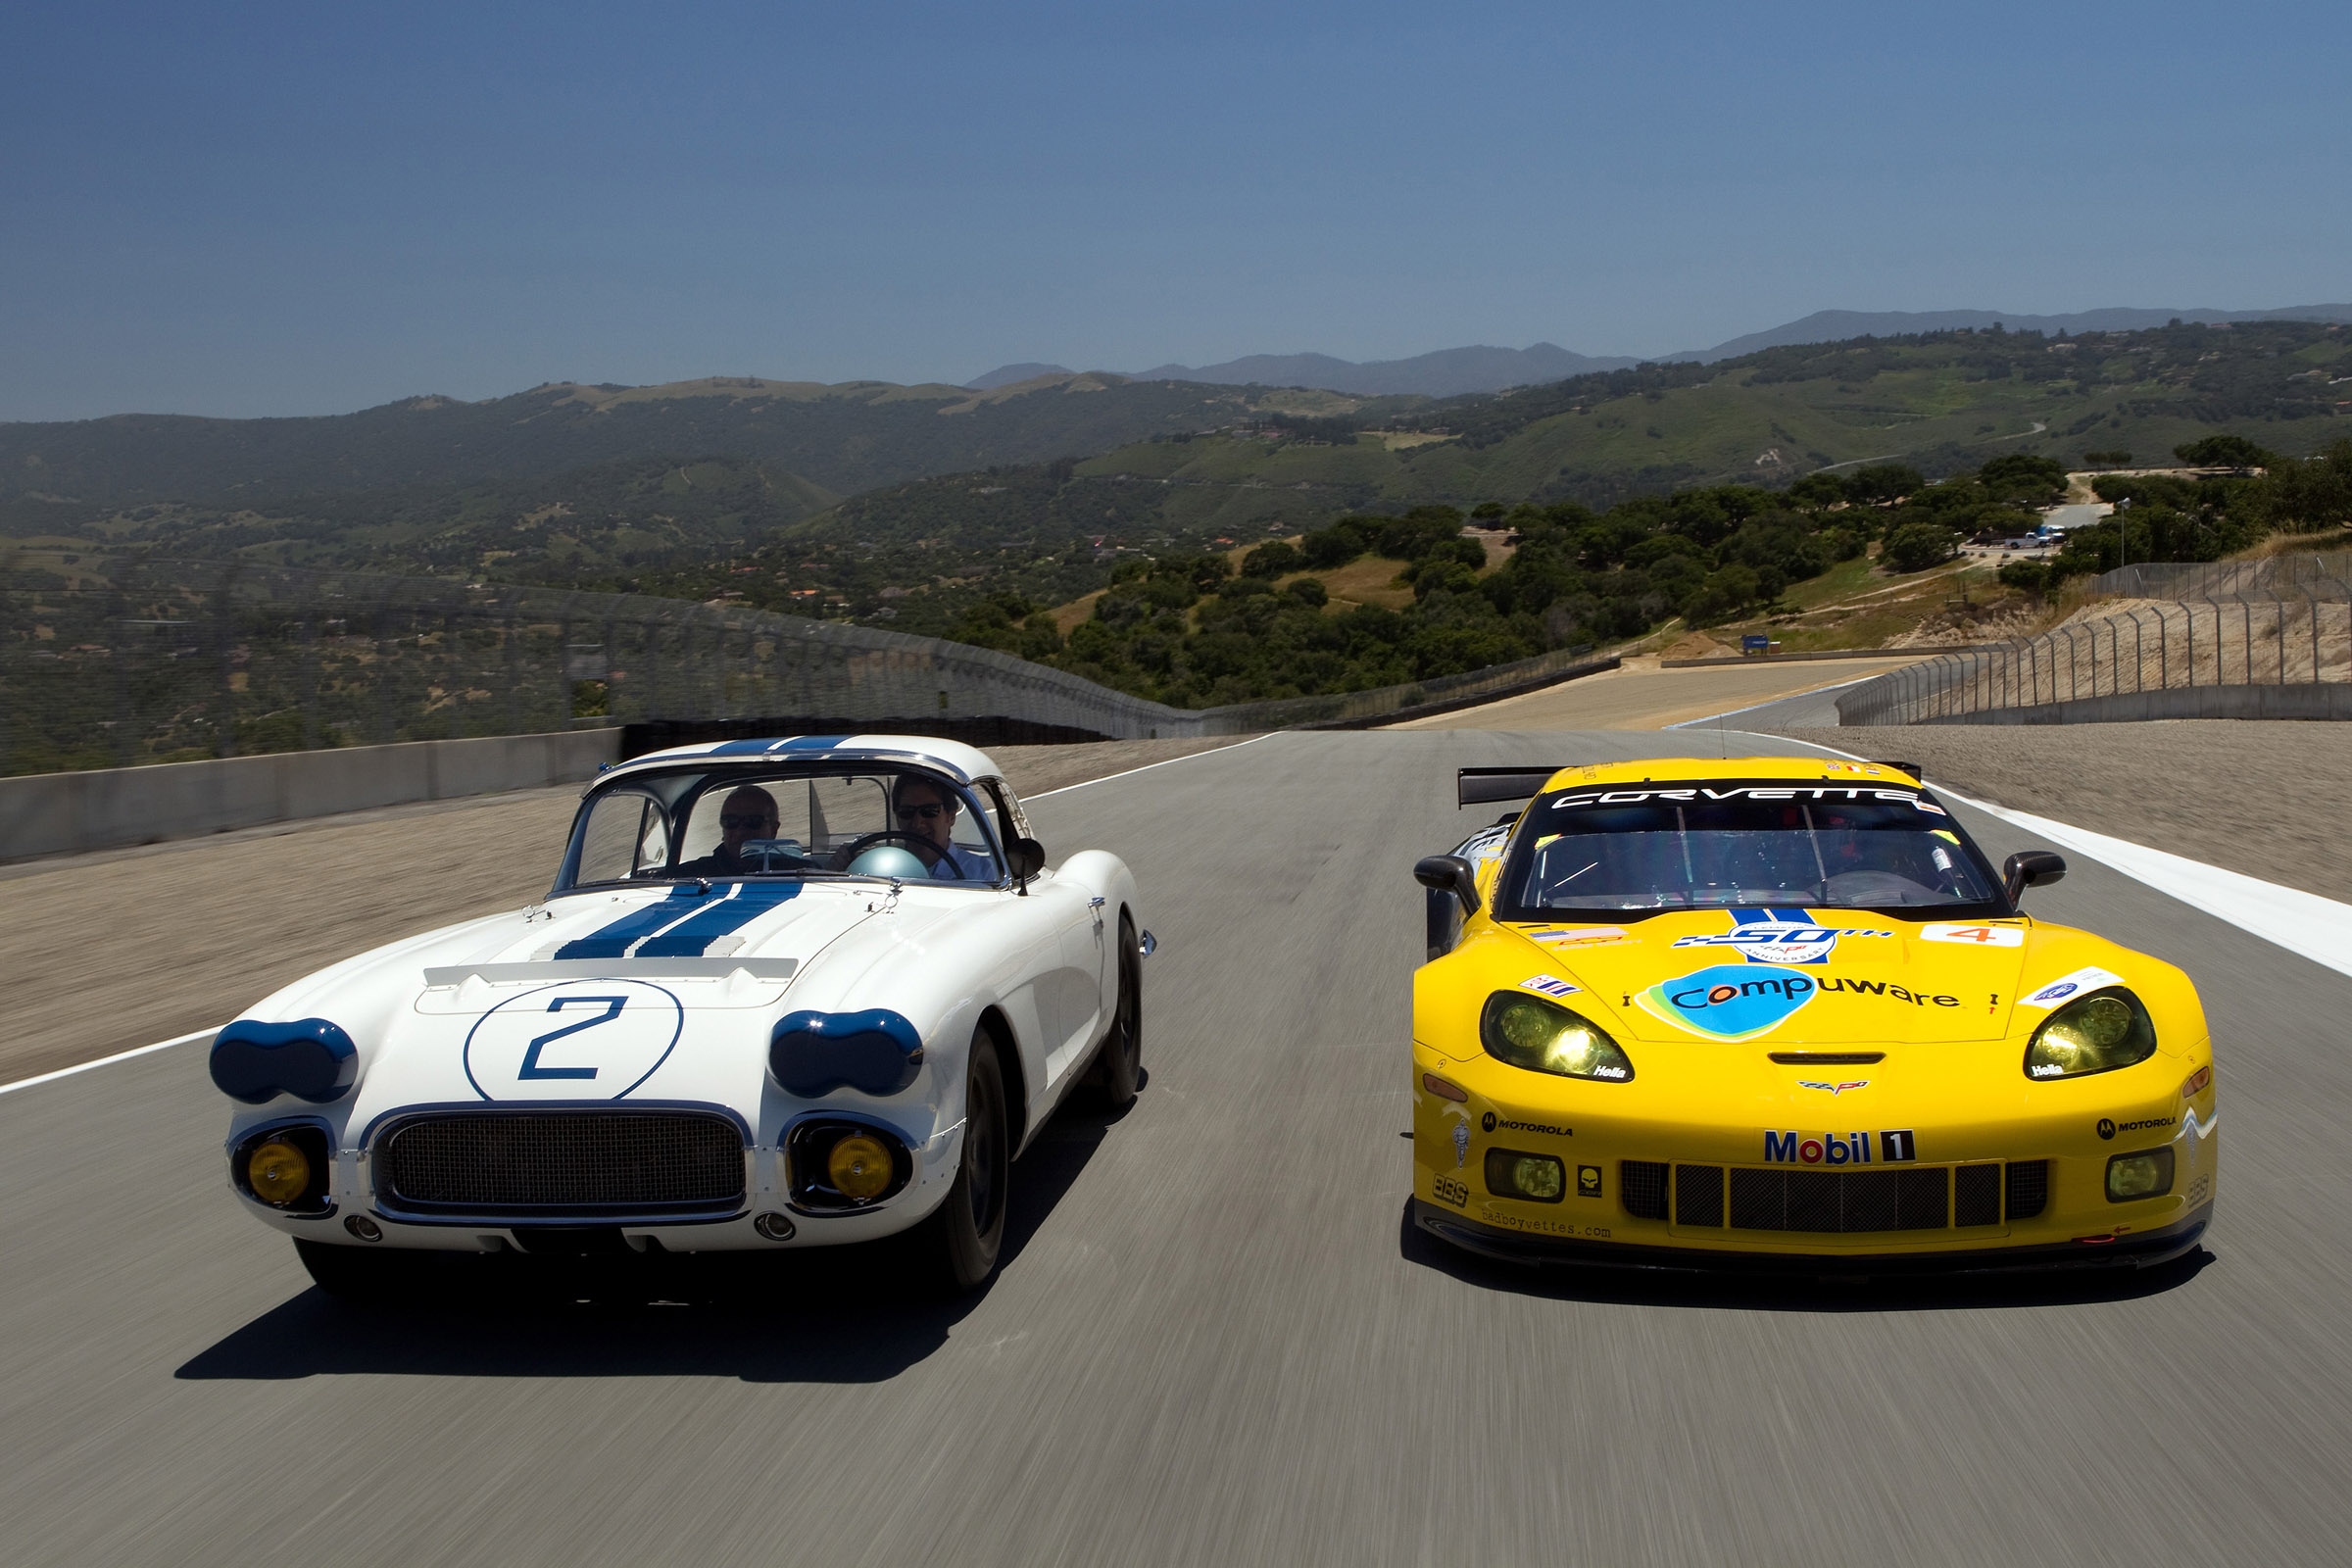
point(2134, 1250)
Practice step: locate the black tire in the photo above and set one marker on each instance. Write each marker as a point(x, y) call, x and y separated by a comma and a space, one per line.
point(1119, 1065)
point(959, 1244)
point(359, 1275)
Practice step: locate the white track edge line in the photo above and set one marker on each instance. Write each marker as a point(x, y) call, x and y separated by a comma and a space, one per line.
point(102, 1061)
point(1169, 761)
point(2303, 923)
point(1771, 702)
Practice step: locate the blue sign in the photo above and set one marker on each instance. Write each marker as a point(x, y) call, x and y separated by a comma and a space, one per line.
point(1754, 644)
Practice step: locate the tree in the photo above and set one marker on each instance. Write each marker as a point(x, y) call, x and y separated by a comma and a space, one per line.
point(2022, 476)
point(2233, 452)
point(1917, 546)
point(1883, 483)
point(1273, 558)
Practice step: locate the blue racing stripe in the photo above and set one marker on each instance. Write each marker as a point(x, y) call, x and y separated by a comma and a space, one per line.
point(739, 908)
point(612, 941)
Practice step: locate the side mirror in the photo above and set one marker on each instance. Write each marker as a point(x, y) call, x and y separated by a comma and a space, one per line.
point(2030, 869)
point(1450, 874)
point(1024, 859)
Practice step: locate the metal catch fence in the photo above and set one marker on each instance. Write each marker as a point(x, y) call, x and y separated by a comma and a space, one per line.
point(2282, 623)
point(109, 662)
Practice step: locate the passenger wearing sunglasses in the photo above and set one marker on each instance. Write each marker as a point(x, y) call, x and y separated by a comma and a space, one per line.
point(749, 813)
point(926, 813)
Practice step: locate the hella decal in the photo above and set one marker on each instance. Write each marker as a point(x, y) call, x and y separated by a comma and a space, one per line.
point(1778, 936)
point(1548, 985)
point(2069, 986)
point(1840, 1148)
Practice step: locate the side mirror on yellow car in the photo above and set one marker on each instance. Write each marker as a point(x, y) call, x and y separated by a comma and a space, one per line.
point(2030, 869)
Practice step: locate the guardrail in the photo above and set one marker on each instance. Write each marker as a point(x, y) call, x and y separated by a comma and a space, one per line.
point(2233, 639)
point(109, 661)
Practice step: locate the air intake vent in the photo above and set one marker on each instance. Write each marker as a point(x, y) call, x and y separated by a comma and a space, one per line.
point(1976, 1196)
point(546, 1164)
point(1698, 1195)
point(2029, 1188)
point(1643, 1184)
point(1841, 1202)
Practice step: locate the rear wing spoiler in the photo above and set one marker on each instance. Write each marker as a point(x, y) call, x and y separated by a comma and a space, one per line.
point(1477, 786)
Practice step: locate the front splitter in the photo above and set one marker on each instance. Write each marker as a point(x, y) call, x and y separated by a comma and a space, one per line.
point(2134, 1252)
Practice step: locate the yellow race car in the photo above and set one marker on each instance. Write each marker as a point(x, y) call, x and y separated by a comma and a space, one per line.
point(1782, 1013)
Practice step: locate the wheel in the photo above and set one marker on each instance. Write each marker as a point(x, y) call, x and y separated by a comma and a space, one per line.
point(357, 1274)
point(1119, 1066)
point(957, 1245)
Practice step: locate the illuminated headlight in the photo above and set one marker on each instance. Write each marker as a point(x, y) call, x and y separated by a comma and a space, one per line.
point(2145, 1175)
point(2099, 1033)
point(1537, 1034)
point(1538, 1178)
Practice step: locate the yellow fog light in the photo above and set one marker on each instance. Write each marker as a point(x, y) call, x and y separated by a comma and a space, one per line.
point(278, 1172)
point(859, 1166)
point(2130, 1176)
point(1536, 1178)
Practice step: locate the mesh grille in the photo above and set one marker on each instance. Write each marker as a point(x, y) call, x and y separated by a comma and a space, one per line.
point(1977, 1194)
point(2029, 1188)
point(590, 1162)
point(1643, 1184)
point(1840, 1202)
point(1698, 1195)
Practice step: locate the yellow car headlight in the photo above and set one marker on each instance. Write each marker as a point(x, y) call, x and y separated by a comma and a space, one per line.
point(2098, 1033)
point(1543, 1036)
point(2144, 1175)
point(278, 1172)
point(1536, 1178)
point(859, 1166)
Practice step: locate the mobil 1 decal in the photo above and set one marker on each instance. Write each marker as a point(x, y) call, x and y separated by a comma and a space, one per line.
point(1778, 936)
point(580, 1040)
point(1840, 1148)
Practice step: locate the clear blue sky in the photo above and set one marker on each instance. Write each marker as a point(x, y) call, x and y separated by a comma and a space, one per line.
point(289, 209)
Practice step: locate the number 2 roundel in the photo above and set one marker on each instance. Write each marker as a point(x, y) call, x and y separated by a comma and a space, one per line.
point(580, 1040)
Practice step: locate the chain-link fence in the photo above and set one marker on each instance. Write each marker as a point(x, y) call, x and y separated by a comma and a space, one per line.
point(108, 662)
point(2255, 632)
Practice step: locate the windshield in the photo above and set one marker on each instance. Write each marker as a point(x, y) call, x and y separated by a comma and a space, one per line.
point(809, 820)
point(1726, 843)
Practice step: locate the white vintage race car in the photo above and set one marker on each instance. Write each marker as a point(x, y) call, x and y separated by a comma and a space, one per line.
point(784, 993)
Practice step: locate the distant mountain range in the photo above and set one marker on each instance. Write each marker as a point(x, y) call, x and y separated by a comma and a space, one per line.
point(1450, 373)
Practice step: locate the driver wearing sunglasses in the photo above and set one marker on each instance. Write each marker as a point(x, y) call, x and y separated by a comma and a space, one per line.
point(748, 813)
point(925, 814)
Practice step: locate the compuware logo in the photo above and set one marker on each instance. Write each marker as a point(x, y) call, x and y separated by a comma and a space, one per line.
point(1730, 1002)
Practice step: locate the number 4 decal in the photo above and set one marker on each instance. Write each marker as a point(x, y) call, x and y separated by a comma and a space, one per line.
point(530, 1057)
point(1976, 936)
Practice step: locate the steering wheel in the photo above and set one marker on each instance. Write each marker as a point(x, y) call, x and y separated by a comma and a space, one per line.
point(856, 846)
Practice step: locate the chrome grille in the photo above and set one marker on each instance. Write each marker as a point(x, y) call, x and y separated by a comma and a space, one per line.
point(548, 1163)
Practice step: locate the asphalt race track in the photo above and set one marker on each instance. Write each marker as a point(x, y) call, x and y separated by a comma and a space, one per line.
point(1212, 1342)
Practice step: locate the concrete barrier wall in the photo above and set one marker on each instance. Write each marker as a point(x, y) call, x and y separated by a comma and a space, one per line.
point(51, 813)
point(2322, 700)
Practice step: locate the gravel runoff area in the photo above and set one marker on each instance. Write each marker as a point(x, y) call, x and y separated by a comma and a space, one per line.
point(122, 948)
point(2262, 797)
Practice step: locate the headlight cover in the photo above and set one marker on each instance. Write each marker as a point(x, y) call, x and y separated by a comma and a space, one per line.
point(2098, 1033)
point(1529, 1032)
